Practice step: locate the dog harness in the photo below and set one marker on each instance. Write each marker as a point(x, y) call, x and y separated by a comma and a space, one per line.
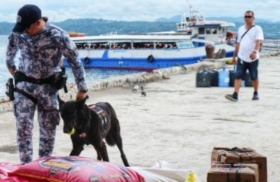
point(102, 115)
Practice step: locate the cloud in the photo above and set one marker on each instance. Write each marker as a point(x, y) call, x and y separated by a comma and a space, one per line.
point(142, 10)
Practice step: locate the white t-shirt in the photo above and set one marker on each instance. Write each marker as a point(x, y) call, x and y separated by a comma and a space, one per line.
point(248, 42)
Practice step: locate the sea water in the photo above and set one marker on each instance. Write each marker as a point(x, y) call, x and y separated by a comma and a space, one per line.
point(91, 74)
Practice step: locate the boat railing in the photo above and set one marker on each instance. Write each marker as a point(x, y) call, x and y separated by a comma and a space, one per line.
point(271, 44)
point(128, 46)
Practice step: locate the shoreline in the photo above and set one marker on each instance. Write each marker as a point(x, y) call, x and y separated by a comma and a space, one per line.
point(141, 77)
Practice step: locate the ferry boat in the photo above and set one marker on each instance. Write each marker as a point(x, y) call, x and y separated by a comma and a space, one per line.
point(155, 50)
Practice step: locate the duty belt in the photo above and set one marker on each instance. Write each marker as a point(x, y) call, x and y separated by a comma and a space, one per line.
point(19, 77)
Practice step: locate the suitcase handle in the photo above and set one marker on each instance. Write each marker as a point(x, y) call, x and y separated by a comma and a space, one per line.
point(236, 149)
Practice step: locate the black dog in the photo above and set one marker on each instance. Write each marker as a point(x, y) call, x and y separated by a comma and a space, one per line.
point(90, 125)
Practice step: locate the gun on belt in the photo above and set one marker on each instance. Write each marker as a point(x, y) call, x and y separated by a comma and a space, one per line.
point(10, 88)
point(64, 75)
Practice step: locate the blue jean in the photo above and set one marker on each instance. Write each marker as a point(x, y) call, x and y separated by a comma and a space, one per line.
point(243, 66)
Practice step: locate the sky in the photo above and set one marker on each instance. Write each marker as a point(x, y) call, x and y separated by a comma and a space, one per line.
point(141, 10)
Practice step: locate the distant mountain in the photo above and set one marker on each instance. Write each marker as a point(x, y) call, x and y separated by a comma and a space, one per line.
point(101, 26)
point(177, 18)
point(238, 19)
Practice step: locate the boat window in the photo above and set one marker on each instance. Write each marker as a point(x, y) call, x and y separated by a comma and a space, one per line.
point(82, 45)
point(214, 31)
point(224, 30)
point(127, 45)
point(101, 45)
point(208, 30)
point(201, 18)
point(185, 45)
point(189, 31)
point(158, 45)
point(179, 27)
point(201, 30)
point(193, 18)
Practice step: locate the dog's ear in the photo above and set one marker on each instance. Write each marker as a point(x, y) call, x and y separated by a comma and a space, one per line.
point(61, 102)
point(80, 103)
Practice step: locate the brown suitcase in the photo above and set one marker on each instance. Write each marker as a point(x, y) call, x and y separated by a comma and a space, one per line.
point(233, 173)
point(241, 155)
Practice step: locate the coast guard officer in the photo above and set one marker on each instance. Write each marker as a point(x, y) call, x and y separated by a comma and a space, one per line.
point(41, 46)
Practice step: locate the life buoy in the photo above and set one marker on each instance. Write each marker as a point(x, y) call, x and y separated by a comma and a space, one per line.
point(87, 60)
point(150, 59)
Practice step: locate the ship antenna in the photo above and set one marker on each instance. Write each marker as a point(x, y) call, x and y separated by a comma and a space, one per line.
point(190, 7)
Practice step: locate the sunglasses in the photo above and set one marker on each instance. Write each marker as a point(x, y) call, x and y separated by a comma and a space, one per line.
point(248, 16)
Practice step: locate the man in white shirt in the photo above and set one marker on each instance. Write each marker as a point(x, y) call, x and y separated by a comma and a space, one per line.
point(250, 37)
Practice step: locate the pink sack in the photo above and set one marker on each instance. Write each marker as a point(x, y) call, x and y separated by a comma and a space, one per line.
point(73, 168)
point(7, 167)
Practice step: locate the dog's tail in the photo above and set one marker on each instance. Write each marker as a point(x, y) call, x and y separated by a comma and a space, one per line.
point(114, 130)
point(110, 139)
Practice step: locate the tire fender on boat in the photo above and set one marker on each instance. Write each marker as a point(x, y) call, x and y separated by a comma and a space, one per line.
point(87, 60)
point(150, 59)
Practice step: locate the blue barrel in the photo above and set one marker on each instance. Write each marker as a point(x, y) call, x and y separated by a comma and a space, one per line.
point(223, 77)
point(243, 83)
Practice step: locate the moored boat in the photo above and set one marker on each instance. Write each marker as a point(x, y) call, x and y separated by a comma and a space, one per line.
point(155, 50)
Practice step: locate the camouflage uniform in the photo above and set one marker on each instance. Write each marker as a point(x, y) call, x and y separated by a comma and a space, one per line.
point(40, 58)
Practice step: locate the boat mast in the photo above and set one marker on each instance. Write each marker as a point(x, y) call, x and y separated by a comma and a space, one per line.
point(190, 8)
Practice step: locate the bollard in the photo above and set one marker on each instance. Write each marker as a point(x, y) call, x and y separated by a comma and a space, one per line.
point(209, 51)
